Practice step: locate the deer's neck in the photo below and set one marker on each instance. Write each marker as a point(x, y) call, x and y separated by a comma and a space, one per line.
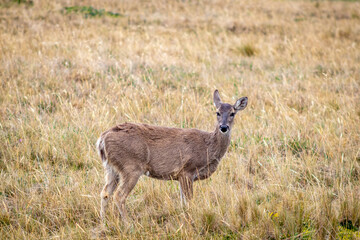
point(218, 144)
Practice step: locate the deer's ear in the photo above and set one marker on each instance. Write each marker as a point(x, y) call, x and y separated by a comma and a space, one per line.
point(241, 104)
point(217, 101)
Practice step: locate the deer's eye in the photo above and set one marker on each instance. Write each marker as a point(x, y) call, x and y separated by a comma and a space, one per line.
point(232, 114)
point(218, 114)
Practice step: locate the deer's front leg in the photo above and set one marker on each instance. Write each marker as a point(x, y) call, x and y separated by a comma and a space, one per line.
point(186, 189)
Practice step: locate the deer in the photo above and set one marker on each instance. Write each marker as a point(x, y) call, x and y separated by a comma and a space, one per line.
point(130, 150)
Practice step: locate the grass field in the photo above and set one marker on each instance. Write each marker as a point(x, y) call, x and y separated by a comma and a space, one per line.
point(69, 70)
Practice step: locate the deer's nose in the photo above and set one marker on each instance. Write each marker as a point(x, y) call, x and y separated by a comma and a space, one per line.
point(224, 128)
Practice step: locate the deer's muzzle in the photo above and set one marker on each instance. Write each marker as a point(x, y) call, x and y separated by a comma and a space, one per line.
point(224, 128)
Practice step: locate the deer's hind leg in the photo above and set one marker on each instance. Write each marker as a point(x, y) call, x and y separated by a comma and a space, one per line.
point(112, 181)
point(129, 178)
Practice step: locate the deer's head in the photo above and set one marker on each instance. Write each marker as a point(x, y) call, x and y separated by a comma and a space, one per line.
point(226, 112)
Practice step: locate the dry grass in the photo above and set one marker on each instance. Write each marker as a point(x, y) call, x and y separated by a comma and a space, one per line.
point(67, 74)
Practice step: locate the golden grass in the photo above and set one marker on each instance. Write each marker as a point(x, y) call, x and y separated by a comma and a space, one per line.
point(293, 167)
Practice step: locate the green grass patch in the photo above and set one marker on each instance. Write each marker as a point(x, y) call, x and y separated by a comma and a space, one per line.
point(299, 146)
point(89, 11)
point(10, 3)
point(246, 50)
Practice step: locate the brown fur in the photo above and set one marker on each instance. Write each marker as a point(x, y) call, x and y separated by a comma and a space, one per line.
point(130, 150)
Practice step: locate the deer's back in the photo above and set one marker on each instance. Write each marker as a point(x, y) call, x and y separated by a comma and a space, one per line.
point(163, 152)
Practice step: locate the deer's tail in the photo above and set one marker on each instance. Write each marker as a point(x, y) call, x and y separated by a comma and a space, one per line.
point(100, 146)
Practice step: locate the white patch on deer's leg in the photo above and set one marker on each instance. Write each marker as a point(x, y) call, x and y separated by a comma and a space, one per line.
point(182, 197)
point(112, 180)
point(105, 164)
point(104, 203)
point(186, 186)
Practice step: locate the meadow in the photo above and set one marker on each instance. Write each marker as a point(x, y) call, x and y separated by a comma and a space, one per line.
point(70, 70)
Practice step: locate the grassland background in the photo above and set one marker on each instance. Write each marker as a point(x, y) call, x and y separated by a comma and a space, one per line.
point(293, 167)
